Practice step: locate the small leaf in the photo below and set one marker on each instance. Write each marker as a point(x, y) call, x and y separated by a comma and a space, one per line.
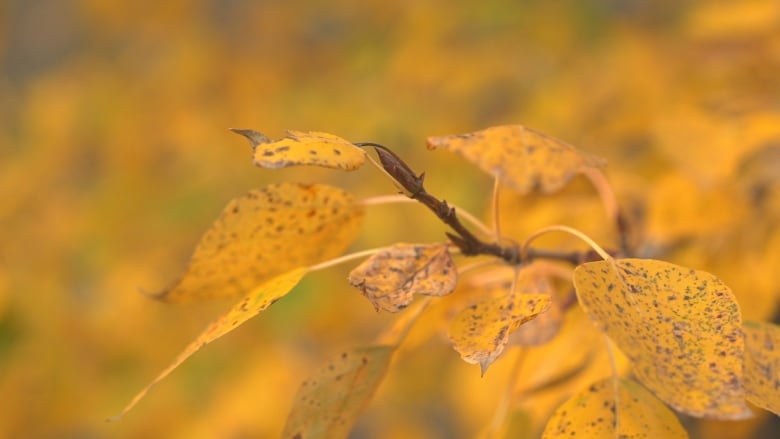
point(328, 403)
point(304, 148)
point(681, 329)
point(596, 411)
point(480, 332)
point(762, 365)
point(256, 301)
point(523, 159)
point(264, 233)
point(390, 278)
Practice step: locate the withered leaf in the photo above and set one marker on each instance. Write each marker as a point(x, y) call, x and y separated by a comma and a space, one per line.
point(390, 278)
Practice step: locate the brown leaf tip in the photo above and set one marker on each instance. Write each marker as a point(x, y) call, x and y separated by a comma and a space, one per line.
point(254, 137)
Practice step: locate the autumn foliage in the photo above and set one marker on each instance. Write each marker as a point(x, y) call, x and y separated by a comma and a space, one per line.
point(680, 329)
point(566, 214)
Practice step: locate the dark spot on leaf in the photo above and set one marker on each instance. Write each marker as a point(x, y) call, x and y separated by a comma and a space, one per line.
point(282, 149)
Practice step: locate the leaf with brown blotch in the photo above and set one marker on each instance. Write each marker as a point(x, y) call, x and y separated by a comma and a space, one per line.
point(520, 157)
point(762, 365)
point(264, 233)
point(253, 303)
point(330, 400)
point(597, 411)
point(480, 332)
point(391, 278)
point(681, 329)
point(304, 148)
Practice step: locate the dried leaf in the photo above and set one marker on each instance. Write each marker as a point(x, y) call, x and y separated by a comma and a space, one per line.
point(264, 233)
point(256, 301)
point(390, 278)
point(480, 332)
point(681, 329)
point(762, 365)
point(596, 411)
point(523, 159)
point(328, 403)
point(304, 148)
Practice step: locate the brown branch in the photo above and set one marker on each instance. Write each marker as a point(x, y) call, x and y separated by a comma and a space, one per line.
point(468, 243)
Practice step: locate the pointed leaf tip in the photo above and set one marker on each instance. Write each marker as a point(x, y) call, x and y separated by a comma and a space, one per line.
point(255, 138)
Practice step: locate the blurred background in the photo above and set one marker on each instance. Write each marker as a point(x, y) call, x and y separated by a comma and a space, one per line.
point(115, 156)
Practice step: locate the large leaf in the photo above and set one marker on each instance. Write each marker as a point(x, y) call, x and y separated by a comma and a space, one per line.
point(391, 278)
point(523, 159)
point(597, 411)
point(264, 233)
point(328, 403)
point(256, 301)
point(681, 329)
point(762, 365)
point(304, 148)
point(480, 332)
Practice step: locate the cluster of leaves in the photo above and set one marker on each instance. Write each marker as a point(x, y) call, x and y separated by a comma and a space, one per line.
point(680, 329)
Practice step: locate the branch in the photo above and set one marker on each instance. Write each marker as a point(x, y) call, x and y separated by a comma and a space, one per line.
point(463, 238)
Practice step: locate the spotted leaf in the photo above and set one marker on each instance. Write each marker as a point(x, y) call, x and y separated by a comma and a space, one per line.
point(328, 403)
point(264, 233)
point(681, 329)
point(598, 411)
point(256, 301)
point(762, 365)
point(480, 332)
point(390, 278)
point(304, 148)
point(523, 159)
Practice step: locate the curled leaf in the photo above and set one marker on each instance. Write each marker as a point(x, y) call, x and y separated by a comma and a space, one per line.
point(681, 329)
point(253, 303)
point(264, 233)
point(304, 148)
point(523, 159)
point(762, 365)
point(480, 332)
point(599, 411)
point(390, 278)
point(328, 402)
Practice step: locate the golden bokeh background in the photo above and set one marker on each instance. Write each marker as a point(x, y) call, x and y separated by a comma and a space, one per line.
point(115, 156)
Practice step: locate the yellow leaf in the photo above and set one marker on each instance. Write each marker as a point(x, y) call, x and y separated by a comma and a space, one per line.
point(328, 403)
point(762, 365)
point(523, 159)
point(256, 301)
point(264, 233)
point(480, 332)
point(390, 278)
point(597, 411)
point(304, 148)
point(681, 329)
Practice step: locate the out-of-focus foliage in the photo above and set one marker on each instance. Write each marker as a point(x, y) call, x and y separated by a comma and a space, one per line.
point(115, 156)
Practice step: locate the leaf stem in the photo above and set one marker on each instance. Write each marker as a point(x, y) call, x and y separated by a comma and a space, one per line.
point(570, 230)
point(345, 258)
point(494, 202)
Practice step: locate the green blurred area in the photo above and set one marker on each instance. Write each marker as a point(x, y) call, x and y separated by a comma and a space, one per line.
point(115, 156)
